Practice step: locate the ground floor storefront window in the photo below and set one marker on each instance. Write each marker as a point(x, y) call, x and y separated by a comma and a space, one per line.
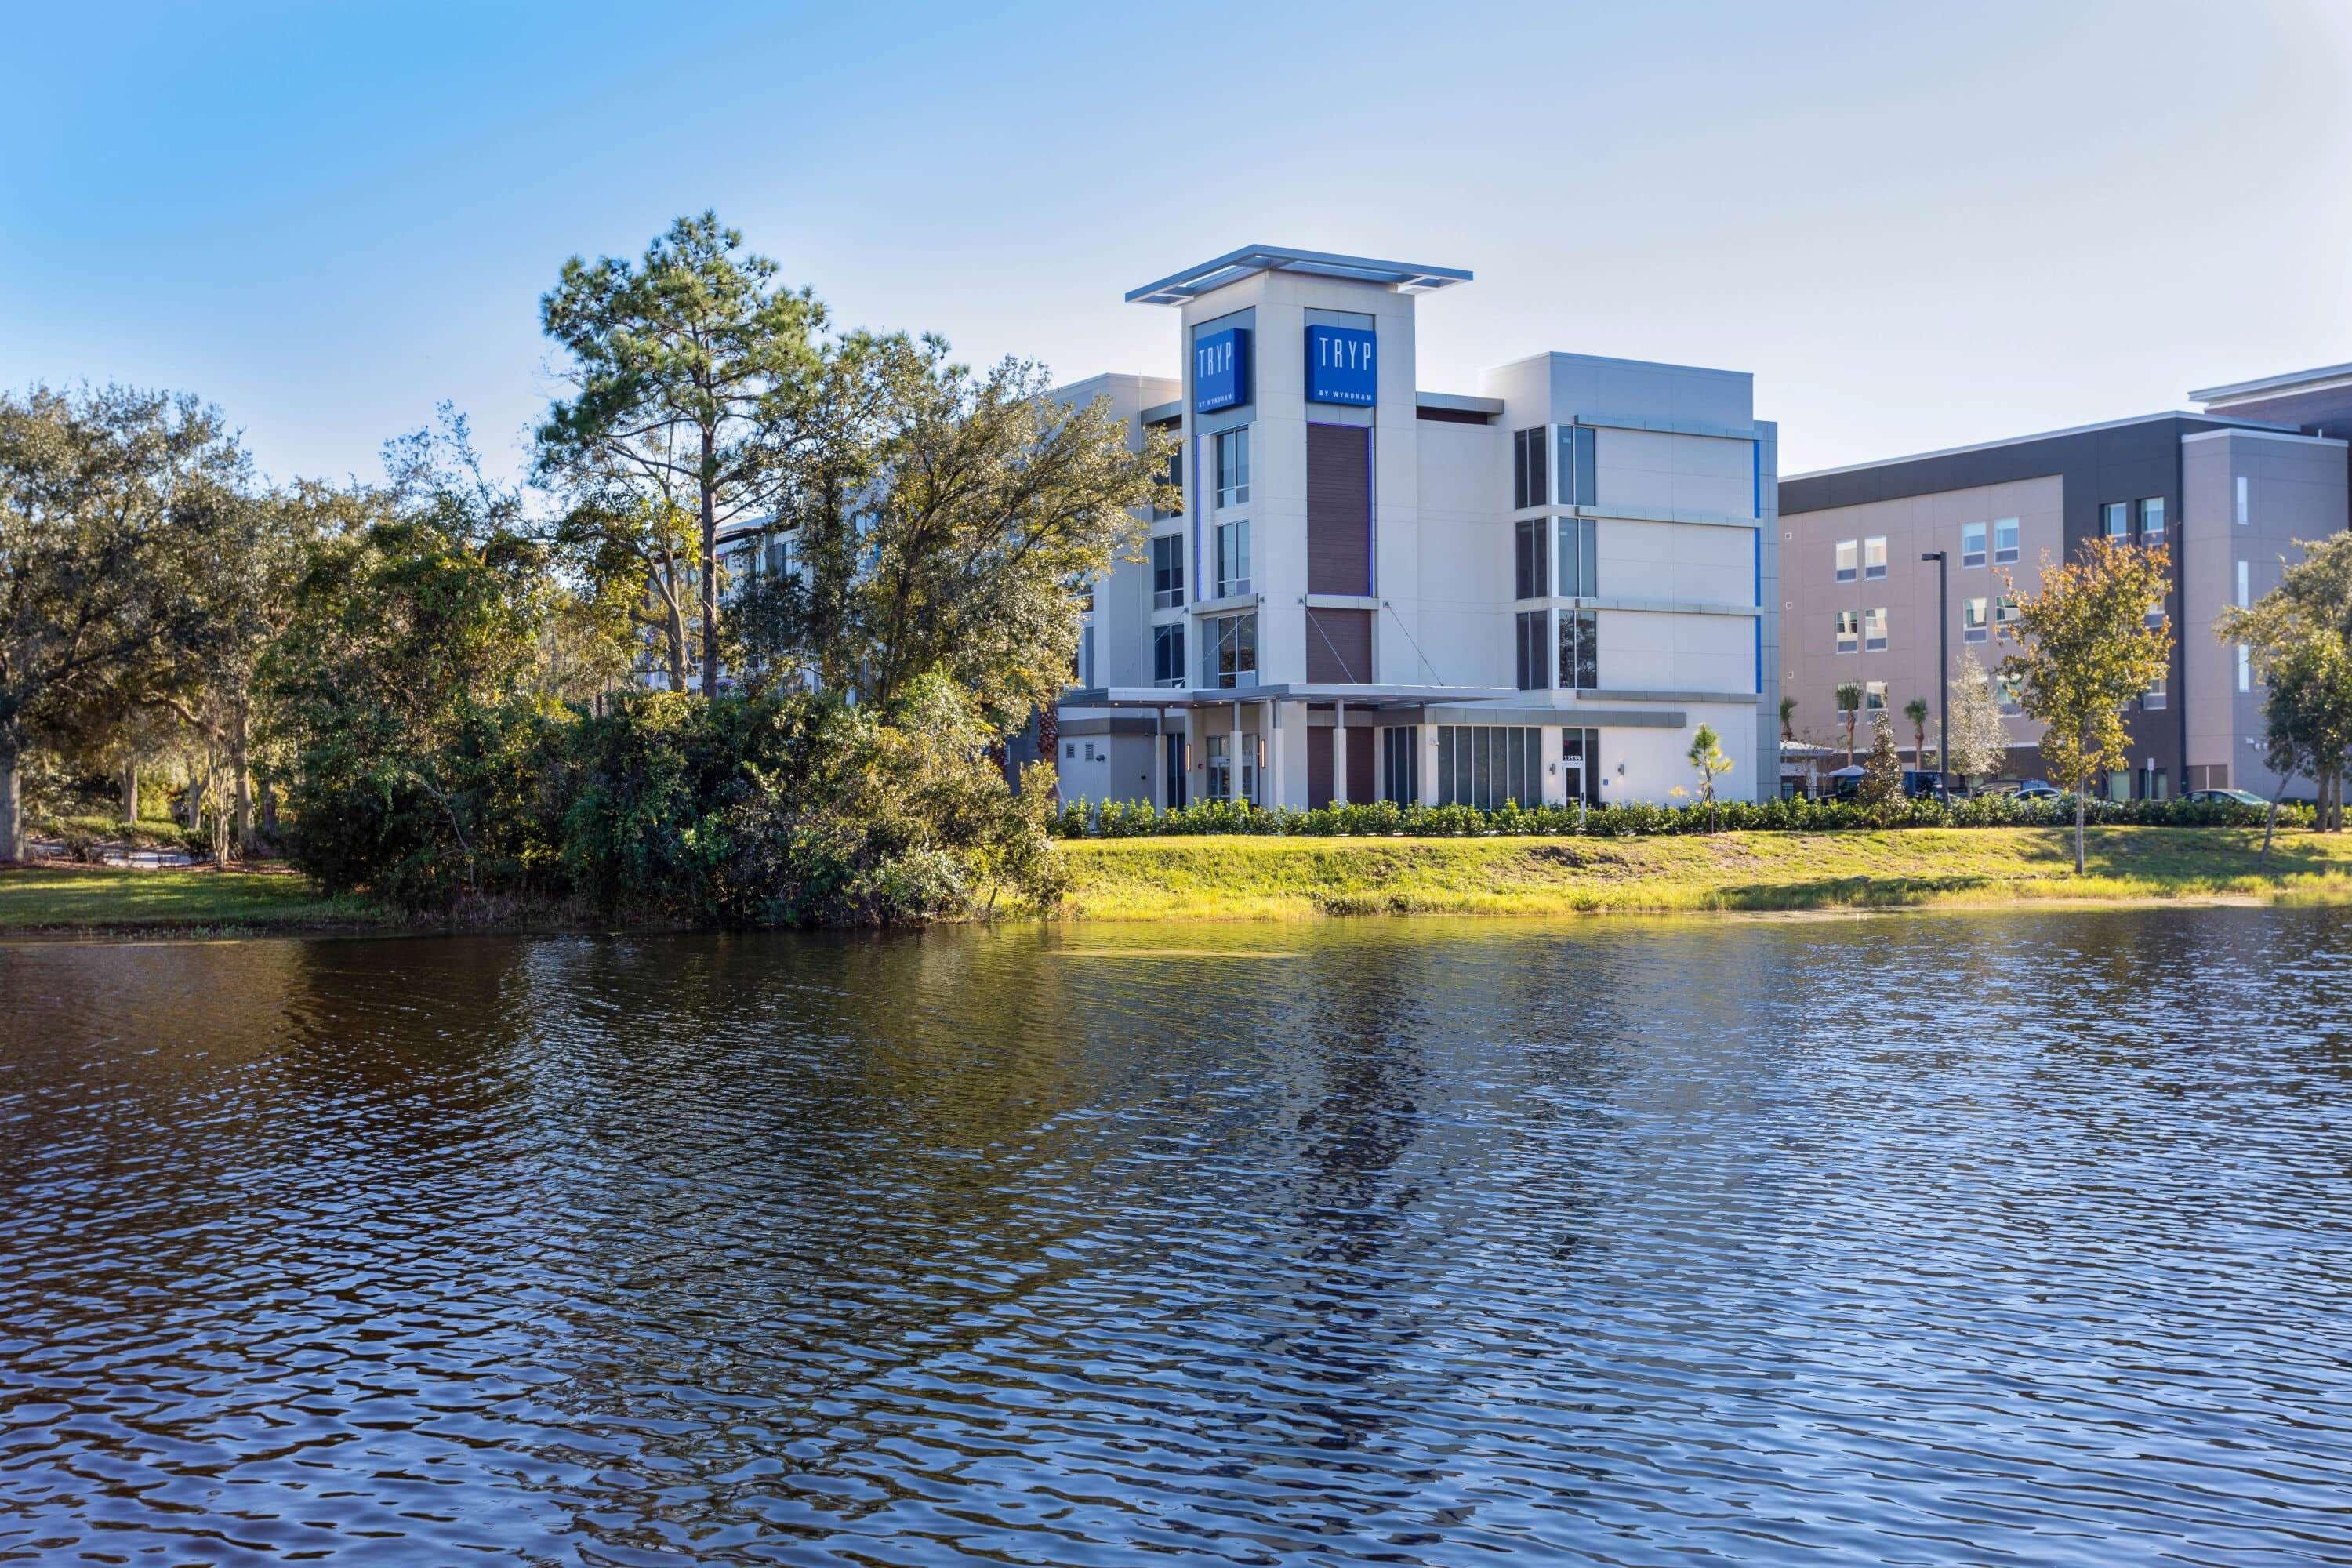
point(1485, 765)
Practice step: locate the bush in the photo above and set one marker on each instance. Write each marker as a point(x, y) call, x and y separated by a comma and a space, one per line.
point(1120, 819)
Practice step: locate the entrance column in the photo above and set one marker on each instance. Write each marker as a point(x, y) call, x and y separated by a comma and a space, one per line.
point(1342, 791)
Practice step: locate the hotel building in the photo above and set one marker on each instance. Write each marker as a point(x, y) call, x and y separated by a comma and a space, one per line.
point(2229, 491)
point(1374, 592)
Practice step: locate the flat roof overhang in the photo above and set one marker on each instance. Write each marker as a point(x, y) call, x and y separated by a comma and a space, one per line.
point(1289, 691)
point(1235, 265)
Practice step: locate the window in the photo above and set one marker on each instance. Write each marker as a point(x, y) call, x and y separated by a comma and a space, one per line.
point(1972, 544)
point(2004, 542)
point(1167, 487)
point(1873, 696)
point(1533, 576)
point(1972, 620)
point(2115, 520)
point(2245, 509)
point(2153, 697)
point(1485, 765)
point(1874, 557)
point(2151, 520)
point(1579, 650)
point(2008, 689)
point(1401, 763)
point(1578, 579)
point(1849, 630)
point(1167, 655)
point(1530, 481)
point(2155, 616)
point(779, 555)
point(1529, 647)
point(1849, 553)
point(1232, 559)
point(1233, 651)
point(1232, 467)
point(2245, 667)
point(2245, 601)
point(1168, 572)
point(2004, 613)
point(1874, 629)
point(1577, 468)
point(1086, 670)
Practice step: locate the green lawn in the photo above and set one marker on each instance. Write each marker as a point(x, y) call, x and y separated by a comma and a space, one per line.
point(1276, 878)
point(79, 898)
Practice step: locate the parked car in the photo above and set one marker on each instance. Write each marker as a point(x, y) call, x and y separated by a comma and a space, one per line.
point(2226, 796)
point(2038, 789)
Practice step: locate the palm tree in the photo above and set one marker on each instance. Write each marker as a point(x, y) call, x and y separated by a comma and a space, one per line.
point(1849, 702)
point(1916, 711)
point(1788, 715)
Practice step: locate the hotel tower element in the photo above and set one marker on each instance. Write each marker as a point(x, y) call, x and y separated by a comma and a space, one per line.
point(1374, 592)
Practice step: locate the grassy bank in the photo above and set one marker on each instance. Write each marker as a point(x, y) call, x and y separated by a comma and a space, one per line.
point(1281, 878)
point(193, 901)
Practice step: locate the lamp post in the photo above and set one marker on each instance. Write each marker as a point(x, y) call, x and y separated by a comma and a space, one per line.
point(1943, 677)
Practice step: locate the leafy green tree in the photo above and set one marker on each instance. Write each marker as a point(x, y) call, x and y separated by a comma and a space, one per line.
point(2296, 636)
point(1916, 711)
point(2089, 649)
point(116, 508)
point(949, 521)
point(1979, 738)
point(1706, 758)
point(691, 369)
point(1849, 702)
point(1881, 772)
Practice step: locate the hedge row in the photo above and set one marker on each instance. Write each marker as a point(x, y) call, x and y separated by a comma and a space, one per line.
point(1126, 819)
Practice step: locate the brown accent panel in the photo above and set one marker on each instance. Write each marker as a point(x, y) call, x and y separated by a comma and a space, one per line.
point(1362, 783)
point(1339, 647)
point(1339, 508)
point(1318, 768)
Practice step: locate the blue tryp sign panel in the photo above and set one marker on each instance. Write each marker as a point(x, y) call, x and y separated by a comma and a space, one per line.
point(1221, 370)
point(1339, 366)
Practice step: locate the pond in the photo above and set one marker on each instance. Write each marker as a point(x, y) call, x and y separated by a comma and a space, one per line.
point(1939, 1238)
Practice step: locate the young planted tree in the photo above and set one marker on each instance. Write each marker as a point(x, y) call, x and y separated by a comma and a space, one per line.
point(1849, 702)
point(1916, 711)
point(1787, 717)
point(1706, 758)
point(1882, 771)
point(115, 506)
point(2089, 649)
point(2299, 637)
point(1979, 738)
point(692, 370)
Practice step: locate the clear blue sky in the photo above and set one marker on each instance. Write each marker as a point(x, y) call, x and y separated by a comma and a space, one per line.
point(1918, 226)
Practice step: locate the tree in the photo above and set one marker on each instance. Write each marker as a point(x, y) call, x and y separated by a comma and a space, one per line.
point(1979, 740)
point(1849, 702)
point(1706, 756)
point(952, 522)
point(1787, 717)
point(114, 505)
point(2296, 636)
point(692, 369)
point(2089, 649)
point(1916, 711)
point(1882, 771)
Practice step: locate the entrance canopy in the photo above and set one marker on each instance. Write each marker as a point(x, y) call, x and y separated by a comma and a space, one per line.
point(1289, 691)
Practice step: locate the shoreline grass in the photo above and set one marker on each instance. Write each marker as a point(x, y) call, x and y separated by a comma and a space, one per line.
point(1293, 879)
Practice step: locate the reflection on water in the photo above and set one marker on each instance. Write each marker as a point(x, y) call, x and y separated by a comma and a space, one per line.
point(1923, 1240)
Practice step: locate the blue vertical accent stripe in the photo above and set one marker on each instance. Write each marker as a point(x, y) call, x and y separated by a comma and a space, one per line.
point(1756, 469)
point(1759, 606)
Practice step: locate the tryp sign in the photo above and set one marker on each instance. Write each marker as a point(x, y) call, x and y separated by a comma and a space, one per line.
point(1221, 370)
point(1339, 366)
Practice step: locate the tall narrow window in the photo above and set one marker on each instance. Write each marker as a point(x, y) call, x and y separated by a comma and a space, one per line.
point(1874, 557)
point(2151, 520)
point(1529, 663)
point(1167, 655)
point(1232, 467)
point(1874, 629)
point(1233, 651)
point(1574, 554)
point(1168, 572)
point(2245, 599)
point(1579, 650)
point(2153, 697)
point(1530, 476)
point(1167, 487)
point(1849, 630)
point(1972, 620)
point(1232, 559)
point(1972, 544)
point(1533, 559)
point(2245, 667)
point(2004, 542)
point(1849, 557)
point(2245, 509)
point(1401, 763)
point(2004, 614)
point(2115, 520)
point(1578, 475)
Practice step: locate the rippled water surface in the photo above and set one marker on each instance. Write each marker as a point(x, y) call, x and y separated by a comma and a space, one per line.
point(1934, 1239)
